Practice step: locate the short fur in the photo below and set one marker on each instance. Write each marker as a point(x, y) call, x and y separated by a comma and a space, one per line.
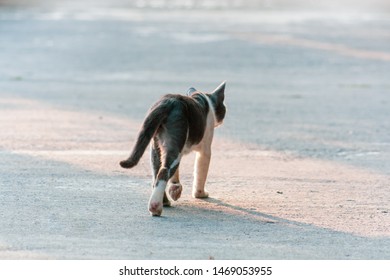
point(176, 125)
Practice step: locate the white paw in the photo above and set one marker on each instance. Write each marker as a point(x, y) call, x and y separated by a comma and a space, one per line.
point(175, 191)
point(200, 194)
point(155, 208)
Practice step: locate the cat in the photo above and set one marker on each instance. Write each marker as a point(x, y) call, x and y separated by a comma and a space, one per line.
point(176, 125)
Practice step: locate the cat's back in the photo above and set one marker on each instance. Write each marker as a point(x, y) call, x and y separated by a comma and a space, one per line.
point(190, 109)
point(188, 105)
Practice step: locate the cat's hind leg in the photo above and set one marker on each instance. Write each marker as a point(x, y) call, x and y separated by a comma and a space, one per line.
point(157, 199)
point(170, 140)
point(175, 187)
point(170, 163)
point(155, 159)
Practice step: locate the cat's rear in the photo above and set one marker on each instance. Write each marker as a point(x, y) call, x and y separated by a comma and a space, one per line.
point(173, 111)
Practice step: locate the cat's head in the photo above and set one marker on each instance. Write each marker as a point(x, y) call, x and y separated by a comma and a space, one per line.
point(217, 97)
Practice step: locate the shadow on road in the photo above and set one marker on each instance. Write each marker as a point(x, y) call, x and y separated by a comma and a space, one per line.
point(45, 212)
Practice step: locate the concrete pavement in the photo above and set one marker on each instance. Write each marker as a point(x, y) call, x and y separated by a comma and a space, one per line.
point(300, 168)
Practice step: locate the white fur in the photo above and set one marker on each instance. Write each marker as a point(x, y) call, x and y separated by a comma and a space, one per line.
point(203, 155)
point(157, 196)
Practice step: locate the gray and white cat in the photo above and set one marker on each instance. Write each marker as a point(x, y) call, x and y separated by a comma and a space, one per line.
point(177, 125)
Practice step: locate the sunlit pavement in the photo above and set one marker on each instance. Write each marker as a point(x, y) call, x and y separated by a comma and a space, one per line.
point(300, 168)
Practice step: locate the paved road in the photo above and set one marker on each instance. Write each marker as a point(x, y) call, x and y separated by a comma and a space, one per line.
point(300, 168)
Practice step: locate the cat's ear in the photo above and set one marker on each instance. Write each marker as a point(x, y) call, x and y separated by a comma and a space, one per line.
point(191, 90)
point(219, 92)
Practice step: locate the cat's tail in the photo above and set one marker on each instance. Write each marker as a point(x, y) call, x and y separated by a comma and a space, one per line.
point(151, 123)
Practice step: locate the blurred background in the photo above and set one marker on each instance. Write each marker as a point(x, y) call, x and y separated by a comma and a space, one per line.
point(350, 5)
point(305, 142)
point(306, 77)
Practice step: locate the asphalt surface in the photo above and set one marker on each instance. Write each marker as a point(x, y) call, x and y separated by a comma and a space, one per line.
point(300, 169)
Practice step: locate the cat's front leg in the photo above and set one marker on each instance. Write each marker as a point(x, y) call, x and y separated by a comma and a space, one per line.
point(202, 163)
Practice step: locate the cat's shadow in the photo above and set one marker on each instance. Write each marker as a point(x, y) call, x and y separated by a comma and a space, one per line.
point(227, 208)
point(251, 213)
